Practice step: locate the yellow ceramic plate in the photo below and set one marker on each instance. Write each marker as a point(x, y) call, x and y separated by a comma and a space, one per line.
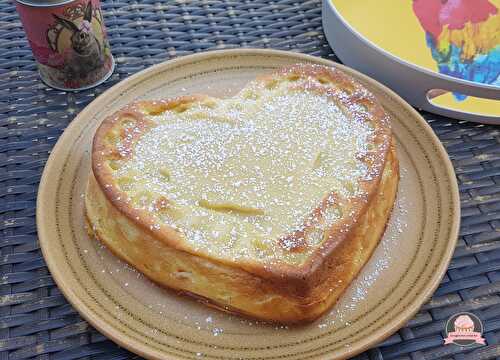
point(458, 38)
point(156, 323)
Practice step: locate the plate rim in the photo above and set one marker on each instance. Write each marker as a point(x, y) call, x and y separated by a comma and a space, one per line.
point(143, 349)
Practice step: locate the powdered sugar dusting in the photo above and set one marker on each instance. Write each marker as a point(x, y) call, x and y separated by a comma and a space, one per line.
point(354, 299)
point(235, 175)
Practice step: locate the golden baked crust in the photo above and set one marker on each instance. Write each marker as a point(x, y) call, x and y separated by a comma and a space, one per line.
point(307, 269)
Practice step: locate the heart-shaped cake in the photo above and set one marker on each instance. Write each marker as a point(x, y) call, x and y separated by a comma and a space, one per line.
point(266, 204)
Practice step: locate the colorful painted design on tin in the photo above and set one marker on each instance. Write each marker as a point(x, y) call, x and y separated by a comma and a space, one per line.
point(85, 53)
point(73, 51)
point(464, 38)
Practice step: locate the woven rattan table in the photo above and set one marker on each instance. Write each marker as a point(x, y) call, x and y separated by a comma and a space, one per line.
point(36, 320)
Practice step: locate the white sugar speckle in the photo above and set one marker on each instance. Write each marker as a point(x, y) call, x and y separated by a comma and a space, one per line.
point(236, 175)
point(217, 331)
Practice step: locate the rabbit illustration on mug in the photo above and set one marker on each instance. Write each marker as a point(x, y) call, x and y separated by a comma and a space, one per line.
point(86, 52)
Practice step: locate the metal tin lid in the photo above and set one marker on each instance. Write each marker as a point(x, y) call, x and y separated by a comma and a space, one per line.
point(44, 3)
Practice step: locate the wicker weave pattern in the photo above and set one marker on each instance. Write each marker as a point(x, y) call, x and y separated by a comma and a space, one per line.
point(35, 319)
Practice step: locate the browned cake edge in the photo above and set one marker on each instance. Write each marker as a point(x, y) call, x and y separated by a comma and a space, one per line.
point(233, 289)
point(303, 286)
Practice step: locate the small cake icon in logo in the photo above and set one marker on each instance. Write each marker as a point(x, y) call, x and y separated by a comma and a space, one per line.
point(464, 323)
point(464, 329)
